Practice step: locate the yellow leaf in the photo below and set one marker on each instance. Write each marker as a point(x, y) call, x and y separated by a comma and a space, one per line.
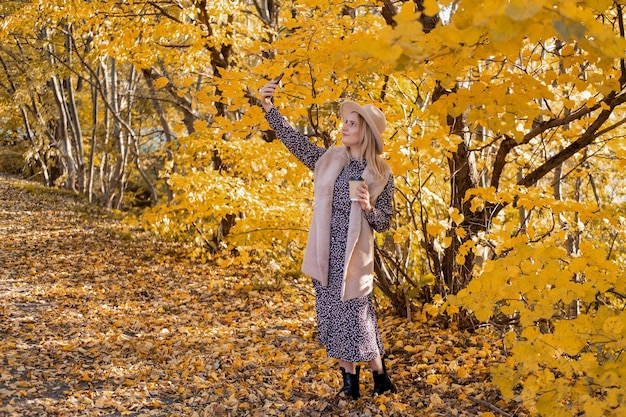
point(502, 30)
point(614, 326)
point(431, 7)
point(432, 379)
point(477, 204)
point(519, 10)
point(456, 216)
point(431, 309)
point(161, 82)
point(452, 309)
point(434, 229)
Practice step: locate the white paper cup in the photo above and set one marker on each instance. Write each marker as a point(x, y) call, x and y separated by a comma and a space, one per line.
point(354, 184)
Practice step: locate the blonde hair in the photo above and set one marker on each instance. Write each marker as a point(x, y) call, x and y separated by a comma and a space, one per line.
point(368, 149)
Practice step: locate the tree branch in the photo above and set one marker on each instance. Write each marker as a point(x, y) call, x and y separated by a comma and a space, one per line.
point(587, 138)
point(498, 166)
point(489, 406)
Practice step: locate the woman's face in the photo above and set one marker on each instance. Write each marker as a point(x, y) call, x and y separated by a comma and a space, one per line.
point(351, 130)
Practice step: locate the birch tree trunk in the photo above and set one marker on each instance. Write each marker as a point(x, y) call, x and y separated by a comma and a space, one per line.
point(40, 157)
point(112, 193)
point(104, 91)
point(167, 130)
point(94, 134)
point(77, 134)
point(72, 114)
point(62, 136)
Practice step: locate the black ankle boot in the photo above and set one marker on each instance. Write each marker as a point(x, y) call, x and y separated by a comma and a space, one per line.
point(382, 382)
point(351, 383)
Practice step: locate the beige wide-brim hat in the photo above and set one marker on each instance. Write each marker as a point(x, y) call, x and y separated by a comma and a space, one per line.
point(374, 118)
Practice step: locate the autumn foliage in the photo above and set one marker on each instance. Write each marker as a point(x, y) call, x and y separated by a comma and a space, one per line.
point(100, 319)
point(506, 136)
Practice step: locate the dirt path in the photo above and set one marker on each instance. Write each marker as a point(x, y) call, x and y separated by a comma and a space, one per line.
point(99, 320)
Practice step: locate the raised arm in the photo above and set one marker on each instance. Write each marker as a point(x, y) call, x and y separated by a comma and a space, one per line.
point(298, 144)
point(307, 152)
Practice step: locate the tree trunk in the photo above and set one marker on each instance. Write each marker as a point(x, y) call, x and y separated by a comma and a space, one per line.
point(72, 115)
point(94, 136)
point(62, 136)
point(116, 176)
point(104, 91)
point(167, 130)
point(40, 157)
point(154, 196)
point(77, 134)
point(463, 176)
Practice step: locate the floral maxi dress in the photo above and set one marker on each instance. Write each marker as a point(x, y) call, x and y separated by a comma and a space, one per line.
point(349, 329)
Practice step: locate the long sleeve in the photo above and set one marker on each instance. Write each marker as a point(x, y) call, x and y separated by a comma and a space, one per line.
point(380, 216)
point(307, 152)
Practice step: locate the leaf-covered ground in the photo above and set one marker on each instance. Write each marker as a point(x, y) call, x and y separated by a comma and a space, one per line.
point(100, 320)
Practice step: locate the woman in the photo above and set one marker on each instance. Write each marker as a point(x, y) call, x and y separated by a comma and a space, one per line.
point(339, 255)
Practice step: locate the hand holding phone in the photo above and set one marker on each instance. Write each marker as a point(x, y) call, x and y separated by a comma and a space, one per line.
point(272, 86)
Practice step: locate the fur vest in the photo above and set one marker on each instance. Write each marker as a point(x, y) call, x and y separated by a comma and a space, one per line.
point(358, 275)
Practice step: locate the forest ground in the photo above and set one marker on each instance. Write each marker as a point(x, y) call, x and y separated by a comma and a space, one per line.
point(98, 319)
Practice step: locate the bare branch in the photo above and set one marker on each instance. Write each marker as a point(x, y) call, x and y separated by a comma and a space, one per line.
point(587, 138)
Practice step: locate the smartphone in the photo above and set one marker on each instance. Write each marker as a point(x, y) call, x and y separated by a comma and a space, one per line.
point(278, 78)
